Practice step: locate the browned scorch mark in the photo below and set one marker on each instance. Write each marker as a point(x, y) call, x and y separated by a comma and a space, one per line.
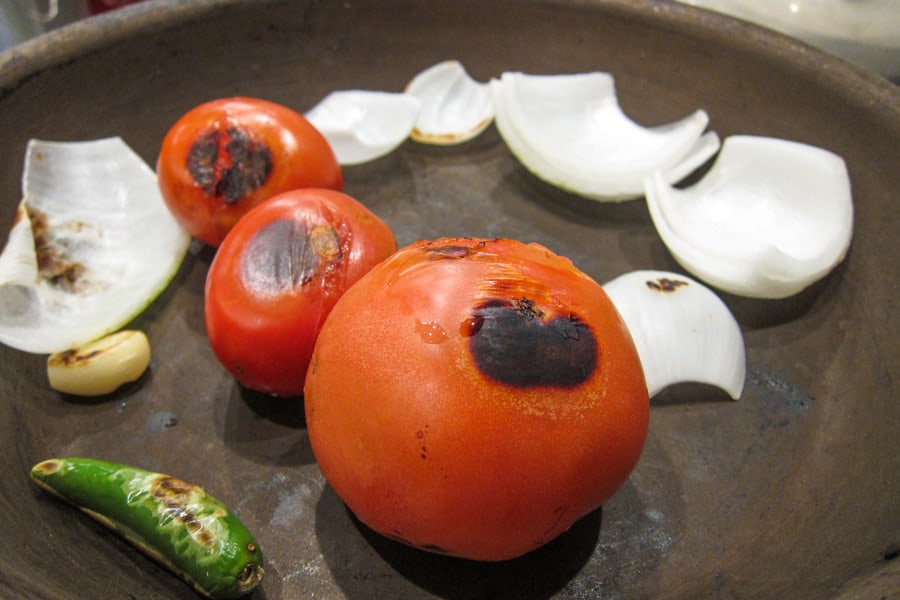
point(175, 494)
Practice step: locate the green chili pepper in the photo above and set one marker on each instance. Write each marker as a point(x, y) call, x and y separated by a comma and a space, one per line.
point(175, 522)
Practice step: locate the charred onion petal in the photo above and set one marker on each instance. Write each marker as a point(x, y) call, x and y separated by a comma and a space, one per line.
point(92, 246)
point(455, 107)
point(770, 218)
point(682, 330)
point(363, 125)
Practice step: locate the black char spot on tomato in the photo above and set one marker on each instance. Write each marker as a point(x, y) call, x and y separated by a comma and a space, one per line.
point(285, 254)
point(229, 164)
point(514, 343)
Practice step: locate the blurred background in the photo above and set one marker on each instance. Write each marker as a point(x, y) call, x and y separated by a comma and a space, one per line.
point(865, 32)
point(24, 19)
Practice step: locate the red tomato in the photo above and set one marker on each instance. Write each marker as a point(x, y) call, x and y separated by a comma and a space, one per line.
point(475, 397)
point(277, 275)
point(224, 157)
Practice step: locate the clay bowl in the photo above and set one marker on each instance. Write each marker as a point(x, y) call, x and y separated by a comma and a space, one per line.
point(790, 492)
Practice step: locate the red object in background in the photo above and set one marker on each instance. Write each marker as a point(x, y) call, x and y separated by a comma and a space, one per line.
point(99, 6)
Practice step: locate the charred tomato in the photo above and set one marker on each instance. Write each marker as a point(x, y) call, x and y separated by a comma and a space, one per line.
point(475, 397)
point(277, 275)
point(225, 156)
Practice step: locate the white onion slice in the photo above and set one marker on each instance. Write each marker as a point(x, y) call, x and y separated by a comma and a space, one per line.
point(455, 107)
point(770, 218)
point(682, 330)
point(570, 131)
point(362, 125)
point(108, 245)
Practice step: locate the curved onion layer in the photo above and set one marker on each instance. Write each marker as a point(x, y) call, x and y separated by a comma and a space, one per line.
point(682, 330)
point(363, 125)
point(770, 218)
point(570, 131)
point(93, 244)
point(455, 107)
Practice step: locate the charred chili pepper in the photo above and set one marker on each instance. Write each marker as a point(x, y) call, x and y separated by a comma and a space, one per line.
point(175, 522)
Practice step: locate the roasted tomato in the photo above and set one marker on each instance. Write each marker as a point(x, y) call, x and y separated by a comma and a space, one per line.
point(224, 157)
point(475, 397)
point(277, 275)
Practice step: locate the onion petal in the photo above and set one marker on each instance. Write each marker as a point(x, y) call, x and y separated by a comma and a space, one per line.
point(455, 107)
point(770, 218)
point(93, 244)
point(570, 131)
point(362, 125)
point(683, 331)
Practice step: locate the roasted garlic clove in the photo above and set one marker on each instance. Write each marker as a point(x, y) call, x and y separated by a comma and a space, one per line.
point(101, 366)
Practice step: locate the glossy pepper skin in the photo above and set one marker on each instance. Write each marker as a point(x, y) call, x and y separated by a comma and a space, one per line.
point(175, 522)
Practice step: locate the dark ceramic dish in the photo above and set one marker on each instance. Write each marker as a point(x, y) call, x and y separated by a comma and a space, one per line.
point(791, 492)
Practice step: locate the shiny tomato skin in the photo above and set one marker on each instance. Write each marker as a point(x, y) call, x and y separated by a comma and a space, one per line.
point(475, 397)
point(277, 275)
point(225, 156)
